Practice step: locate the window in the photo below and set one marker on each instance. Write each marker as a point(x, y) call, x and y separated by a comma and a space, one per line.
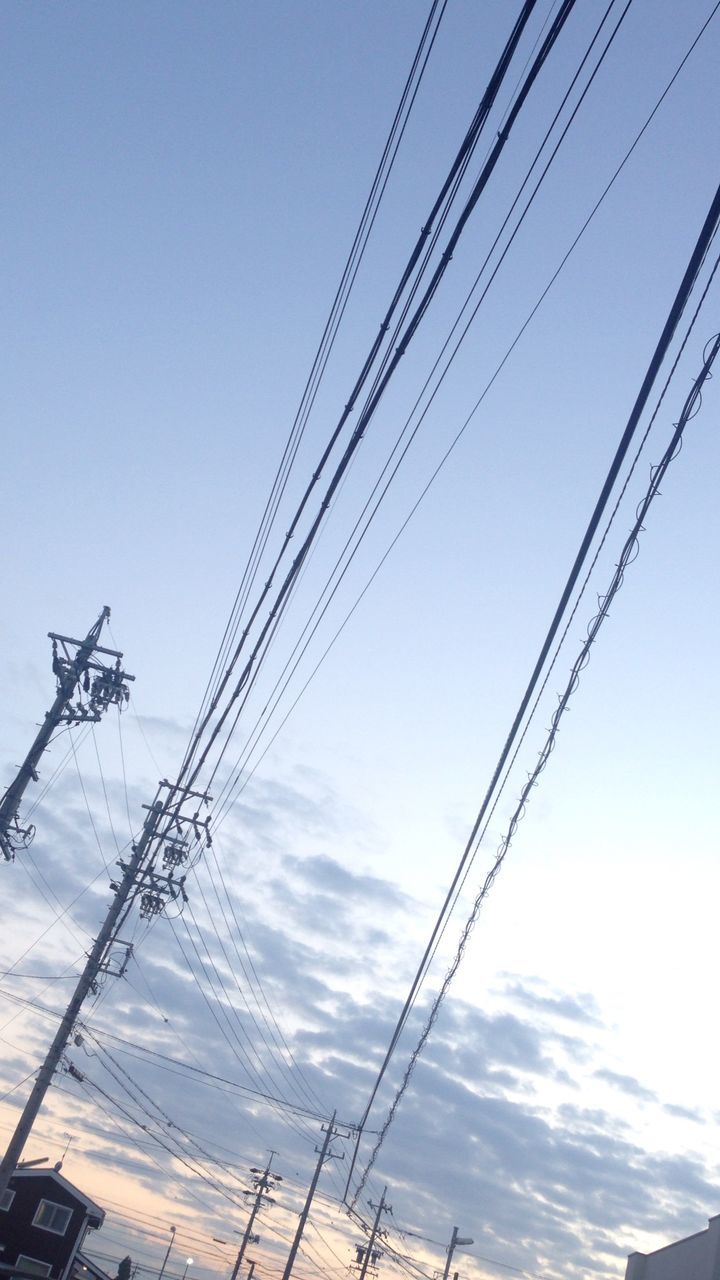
point(33, 1265)
point(52, 1217)
point(6, 1198)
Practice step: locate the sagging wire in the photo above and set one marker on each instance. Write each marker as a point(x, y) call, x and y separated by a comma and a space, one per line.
point(628, 555)
point(573, 612)
point(684, 292)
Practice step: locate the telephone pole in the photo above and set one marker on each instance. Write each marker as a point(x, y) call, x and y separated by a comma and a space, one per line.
point(87, 684)
point(368, 1253)
point(324, 1154)
point(264, 1182)
point(170, 841)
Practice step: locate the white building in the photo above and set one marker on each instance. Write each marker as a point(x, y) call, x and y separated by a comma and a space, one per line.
point(695, 1258)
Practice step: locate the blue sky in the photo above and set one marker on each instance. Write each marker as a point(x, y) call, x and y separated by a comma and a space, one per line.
point(185, 180)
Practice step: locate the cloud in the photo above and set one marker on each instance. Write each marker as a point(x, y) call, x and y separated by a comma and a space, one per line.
point(349, 887)
point(574, 1008)
point(683, 1113)
point(283, 989)
point(627, 1084)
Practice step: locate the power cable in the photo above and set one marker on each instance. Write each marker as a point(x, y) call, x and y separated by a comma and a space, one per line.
point(19, 1084)
point(242, 764)
point(368, 413)
point(329, 334)
point(273, 1045)
point(460, 161)
point(128, 1084)
point(98, 841)
point(168, 1063)
point(90, 1092)
point(273, 1055)
point(571, 616)
point(627, 556)
point(176, 1155)
point(683, 293)
point(237, 1049)
point(351, 547)
point(244, 1115)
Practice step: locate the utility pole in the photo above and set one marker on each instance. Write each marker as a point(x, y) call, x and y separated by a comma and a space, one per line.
point(325, 1154)
point(455, 1241)
point(170, 841)
point(264, 1182)
point(368, 1253)
point(167, 1255)
point(83, 673)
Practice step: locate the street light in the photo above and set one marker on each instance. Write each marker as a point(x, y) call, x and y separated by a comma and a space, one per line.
point(455, 1241)
point(167, 1255)
point(188, 1263)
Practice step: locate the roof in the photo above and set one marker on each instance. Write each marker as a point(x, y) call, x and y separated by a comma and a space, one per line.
point(92, 1208)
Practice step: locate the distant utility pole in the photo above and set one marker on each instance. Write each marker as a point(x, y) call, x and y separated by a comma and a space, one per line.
point(167, 1255)
point(264, 1182)
point(170, 841)
point(456, 1241)
point(325, 1154)
point(87, 684)
point(367, 1255)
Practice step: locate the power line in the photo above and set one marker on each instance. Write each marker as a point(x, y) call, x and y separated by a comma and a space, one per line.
point(351, 547)
point(237, 1048)
point(253, 977)
point(327, 341)
point(271, 1045)
point(84, 1080)
point(628, 554)
point(683, 293)
point(458, 166)
point(174, 1064)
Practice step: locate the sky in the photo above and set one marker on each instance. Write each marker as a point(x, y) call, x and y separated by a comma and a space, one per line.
point(185, 180)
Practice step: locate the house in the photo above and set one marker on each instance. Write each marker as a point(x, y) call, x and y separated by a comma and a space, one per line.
point(697, 1257)
point(44, 1220)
